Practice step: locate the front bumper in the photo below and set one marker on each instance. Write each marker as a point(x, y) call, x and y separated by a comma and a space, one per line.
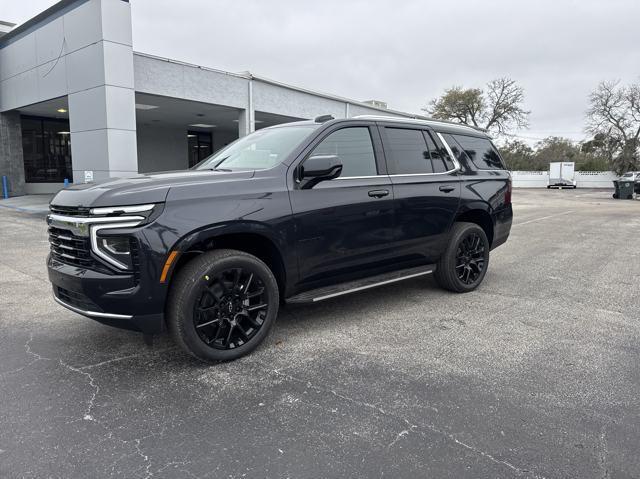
point(112, 299)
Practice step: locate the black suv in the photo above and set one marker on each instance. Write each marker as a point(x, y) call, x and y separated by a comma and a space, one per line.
point(294, 213)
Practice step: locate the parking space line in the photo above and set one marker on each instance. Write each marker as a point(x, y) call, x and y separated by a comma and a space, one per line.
point(543, 218)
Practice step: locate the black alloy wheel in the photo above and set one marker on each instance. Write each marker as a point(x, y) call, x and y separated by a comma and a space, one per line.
point(464, 263)
point(222, 304)
point(470, 258)
point(231, 309)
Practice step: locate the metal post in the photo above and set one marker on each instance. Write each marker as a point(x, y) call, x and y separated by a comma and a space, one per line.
point(5, 188)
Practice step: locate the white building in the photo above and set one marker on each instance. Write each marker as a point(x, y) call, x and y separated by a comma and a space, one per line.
point(77, 102)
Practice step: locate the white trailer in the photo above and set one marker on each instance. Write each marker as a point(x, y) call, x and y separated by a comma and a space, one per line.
point(562, 174)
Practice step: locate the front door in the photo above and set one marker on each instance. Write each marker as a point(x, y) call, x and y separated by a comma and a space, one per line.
point(344, 226)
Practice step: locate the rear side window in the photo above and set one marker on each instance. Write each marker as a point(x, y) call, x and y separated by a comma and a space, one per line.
point(441, 154)
point(407, 150)
point(437, 156)
point(481, 152)
point(353, 147)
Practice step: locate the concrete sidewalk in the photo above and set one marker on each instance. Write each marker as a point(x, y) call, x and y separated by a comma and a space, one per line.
point(34, 204)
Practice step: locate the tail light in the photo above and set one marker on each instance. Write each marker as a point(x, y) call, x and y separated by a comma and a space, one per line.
point(507, 195)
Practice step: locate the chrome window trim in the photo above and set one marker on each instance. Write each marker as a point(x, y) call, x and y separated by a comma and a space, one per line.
point(123, 209)
point(424, 174)
point(93, 314)
point(456, 164)
point(360, 177)
point(94, 241)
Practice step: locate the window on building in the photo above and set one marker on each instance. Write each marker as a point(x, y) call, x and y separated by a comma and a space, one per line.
point(200, 146)
point(353, 147)
point(46, 148)
point(407, 150)
point(481, 152)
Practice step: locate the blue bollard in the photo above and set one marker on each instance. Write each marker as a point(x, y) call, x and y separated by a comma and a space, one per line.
point(66, 182)
point(5, 187)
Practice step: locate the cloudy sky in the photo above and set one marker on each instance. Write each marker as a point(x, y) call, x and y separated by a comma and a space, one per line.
point(404, 52)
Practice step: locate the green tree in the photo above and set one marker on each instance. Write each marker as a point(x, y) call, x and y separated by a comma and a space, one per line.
point(555, 148)
point(585, 156)
point(498, 108)
point(518, 156)
point(613, 118)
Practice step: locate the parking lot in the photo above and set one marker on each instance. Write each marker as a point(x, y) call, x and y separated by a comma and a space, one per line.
point(535, 374)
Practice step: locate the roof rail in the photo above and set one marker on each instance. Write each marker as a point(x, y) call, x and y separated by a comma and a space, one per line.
point(428, 121)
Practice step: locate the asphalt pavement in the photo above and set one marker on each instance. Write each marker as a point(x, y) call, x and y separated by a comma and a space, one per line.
point(536, 374)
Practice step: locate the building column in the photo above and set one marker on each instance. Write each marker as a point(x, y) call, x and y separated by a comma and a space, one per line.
point(102, 115)
point(247, 117)
point(11, 159)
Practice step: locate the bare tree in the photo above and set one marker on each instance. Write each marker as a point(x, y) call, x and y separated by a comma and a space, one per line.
point(497, 109)
point(613, 118)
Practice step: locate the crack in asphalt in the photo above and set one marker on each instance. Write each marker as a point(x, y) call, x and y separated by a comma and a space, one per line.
point(604, 452)
point(129, 356)
point(412, 427)
point(88, 416)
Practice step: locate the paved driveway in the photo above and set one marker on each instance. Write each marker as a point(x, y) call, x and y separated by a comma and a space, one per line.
point(536, 374)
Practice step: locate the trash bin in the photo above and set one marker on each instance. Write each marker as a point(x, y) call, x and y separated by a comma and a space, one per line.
point(624, 189)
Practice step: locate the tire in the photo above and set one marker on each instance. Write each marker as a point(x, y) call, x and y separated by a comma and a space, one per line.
point(222, 305)
point(448, 272)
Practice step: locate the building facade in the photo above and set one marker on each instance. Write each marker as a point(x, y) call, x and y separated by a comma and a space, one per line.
point(77, 103)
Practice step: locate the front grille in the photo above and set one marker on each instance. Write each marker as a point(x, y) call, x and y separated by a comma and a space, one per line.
point(69, 210)
point(69, 248)
point(79, 300)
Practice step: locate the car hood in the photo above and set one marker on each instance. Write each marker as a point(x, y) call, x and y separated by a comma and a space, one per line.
point(140, 189)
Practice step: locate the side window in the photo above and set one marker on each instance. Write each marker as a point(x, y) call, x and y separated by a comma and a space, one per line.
point(407, 151)
point(354, 148)
point(481, 152)
point(437, 159)
point(456, 150)
point(442, 153)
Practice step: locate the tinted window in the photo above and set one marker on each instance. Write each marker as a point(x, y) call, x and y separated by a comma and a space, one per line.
point(441, 154)
point(407, 151)
point(437, 159)
point(481, 152)
point(46, 148)
point(354, 148)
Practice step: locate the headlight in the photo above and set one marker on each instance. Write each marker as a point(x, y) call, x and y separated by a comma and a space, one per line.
point(116, 250)
point(110, 246)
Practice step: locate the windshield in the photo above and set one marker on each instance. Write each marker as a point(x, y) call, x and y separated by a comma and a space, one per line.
point(628, 174)
point(260, 150)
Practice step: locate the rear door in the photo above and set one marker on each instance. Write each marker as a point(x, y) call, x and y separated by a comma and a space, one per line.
point(344, 226)
point(426, 188)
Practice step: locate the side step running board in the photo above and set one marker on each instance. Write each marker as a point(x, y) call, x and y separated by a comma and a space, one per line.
point(327, 292)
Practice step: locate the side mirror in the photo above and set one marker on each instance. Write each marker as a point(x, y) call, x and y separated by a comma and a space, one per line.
point(319, 168)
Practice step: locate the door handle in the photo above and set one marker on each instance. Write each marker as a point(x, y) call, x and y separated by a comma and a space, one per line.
point(378, 193)
point(446, 189)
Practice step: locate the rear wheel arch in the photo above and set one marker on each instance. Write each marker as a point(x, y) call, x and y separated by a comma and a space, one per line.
point(480, 217)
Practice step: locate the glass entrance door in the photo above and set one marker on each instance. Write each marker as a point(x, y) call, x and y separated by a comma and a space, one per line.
point(200, 146)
